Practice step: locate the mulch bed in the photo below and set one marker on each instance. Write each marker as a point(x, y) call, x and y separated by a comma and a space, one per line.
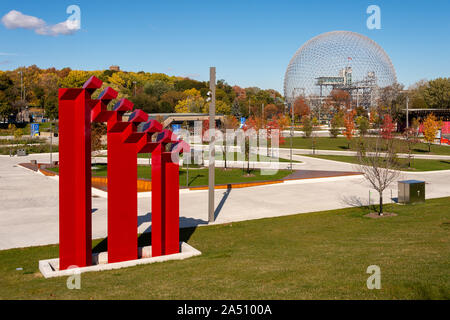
point(375, 215)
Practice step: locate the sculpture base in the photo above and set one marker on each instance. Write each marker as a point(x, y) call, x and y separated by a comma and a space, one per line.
point(50, 267)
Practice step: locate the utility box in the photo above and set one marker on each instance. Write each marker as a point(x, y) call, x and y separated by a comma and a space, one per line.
point(411, 191)
point(21, 152)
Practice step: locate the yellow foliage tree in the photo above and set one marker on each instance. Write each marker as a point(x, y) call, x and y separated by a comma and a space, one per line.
point(221, 107)
point(430, 128)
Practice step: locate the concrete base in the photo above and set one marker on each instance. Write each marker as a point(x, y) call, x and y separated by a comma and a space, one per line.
point(50, 267)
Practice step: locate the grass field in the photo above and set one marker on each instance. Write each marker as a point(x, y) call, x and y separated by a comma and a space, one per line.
point(199, 176)
point(416, 164)
point(341, 143)
point(321, 255)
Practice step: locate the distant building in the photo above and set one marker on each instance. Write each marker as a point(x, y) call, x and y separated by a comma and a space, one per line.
point(114, 68)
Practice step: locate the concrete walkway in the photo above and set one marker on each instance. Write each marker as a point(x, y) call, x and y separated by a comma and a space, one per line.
point(29, 201)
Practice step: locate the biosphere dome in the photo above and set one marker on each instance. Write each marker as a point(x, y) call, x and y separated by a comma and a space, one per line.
point(338, 60)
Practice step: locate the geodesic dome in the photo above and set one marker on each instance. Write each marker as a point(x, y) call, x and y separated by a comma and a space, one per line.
point(338, 60)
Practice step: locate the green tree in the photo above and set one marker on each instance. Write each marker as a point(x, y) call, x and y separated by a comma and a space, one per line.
point(363, 125)
point(307, 126)
point(437, 93)
point(336, 123)
point(157, 88)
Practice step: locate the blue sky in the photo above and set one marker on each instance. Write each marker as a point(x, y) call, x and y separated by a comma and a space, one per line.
point(250, 42)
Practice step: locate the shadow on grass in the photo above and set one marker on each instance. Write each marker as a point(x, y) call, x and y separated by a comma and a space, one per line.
point(145, 239)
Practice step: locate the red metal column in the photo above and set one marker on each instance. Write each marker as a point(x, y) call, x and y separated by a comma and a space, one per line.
point(171, 196)
point(158, 192)
point(122, 175)
point(171, 236)
point(75, 246)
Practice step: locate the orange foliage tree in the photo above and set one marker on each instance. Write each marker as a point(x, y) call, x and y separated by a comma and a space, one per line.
point(301, 108)
point(349, 125)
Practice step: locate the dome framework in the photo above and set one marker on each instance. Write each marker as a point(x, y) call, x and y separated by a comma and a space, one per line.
point(342, 60)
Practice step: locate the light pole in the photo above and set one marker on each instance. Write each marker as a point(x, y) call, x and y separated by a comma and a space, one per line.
point(212, 145)
point(21, 85)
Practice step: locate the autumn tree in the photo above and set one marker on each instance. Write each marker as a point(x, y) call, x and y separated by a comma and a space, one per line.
point(301, 108)
point(430, 129)
point(230, 123)
point(270, 111)
point(387, 127)
point(349, 125)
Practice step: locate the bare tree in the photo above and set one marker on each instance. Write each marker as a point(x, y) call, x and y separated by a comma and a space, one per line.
point(379, 163)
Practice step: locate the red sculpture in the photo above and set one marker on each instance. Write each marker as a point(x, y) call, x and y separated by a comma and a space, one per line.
point(125, 140)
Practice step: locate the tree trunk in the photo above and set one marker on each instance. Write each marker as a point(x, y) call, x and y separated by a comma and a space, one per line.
point(381, 204)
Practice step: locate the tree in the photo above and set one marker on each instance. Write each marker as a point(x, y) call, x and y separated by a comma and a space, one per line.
point(379, 164)
point(221, 107)
point(349, 125)
point(338, 99)
point(336, 122)
point(363, 125)
point(277, 123)
point(387, 127)
point(145, 102)
point(157, 88)
point(430, 129)
point(411, 138)
point(417, 95)
point(392, 100)
point(307, 126)
point(301, 108)
point(236, 108)
point(270, 111)
point(97, 130)
point(437, 93)
point(192, 103)
point(230, 122)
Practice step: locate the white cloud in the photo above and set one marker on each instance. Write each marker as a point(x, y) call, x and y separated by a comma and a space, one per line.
point(16, 19)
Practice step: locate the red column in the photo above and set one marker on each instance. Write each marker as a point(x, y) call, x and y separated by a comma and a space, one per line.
point(158, 192)
point(122, 199)
point(75, 231)
point(165, 197)
point(171, 200)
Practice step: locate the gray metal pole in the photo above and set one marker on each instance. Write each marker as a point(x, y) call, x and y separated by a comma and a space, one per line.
point(407, 116)
point(51, 141)
point(212, 153)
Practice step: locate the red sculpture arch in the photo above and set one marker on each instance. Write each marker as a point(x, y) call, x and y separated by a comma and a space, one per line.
point(125, 140)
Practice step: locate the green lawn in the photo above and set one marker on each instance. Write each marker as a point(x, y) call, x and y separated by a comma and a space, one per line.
point(321, 255)
point(341, 143)
point(199, 176)
point(416, 164)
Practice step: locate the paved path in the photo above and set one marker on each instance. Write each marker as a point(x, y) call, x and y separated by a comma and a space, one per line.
point(29, 201)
